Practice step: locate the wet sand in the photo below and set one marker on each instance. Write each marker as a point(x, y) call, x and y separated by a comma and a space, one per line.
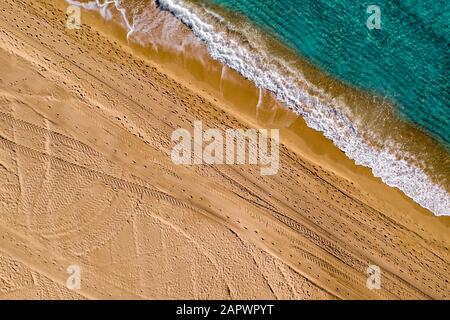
point(87, 180)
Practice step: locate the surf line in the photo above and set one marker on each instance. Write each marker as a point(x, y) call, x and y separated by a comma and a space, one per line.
point(229, 146)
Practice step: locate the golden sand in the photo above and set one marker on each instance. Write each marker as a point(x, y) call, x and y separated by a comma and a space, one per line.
point(87, 180)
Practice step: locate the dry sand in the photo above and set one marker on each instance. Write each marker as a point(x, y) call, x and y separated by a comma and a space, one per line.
point(87, 179)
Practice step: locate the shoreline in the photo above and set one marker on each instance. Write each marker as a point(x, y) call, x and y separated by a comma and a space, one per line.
point(418, 169)
point(347, 116)
point(241, 98)
point(93, 118)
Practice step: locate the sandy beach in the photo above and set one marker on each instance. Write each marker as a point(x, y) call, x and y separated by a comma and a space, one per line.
point(87, 179)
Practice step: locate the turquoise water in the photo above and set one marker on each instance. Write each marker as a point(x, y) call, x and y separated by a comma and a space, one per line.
point(406, 61)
